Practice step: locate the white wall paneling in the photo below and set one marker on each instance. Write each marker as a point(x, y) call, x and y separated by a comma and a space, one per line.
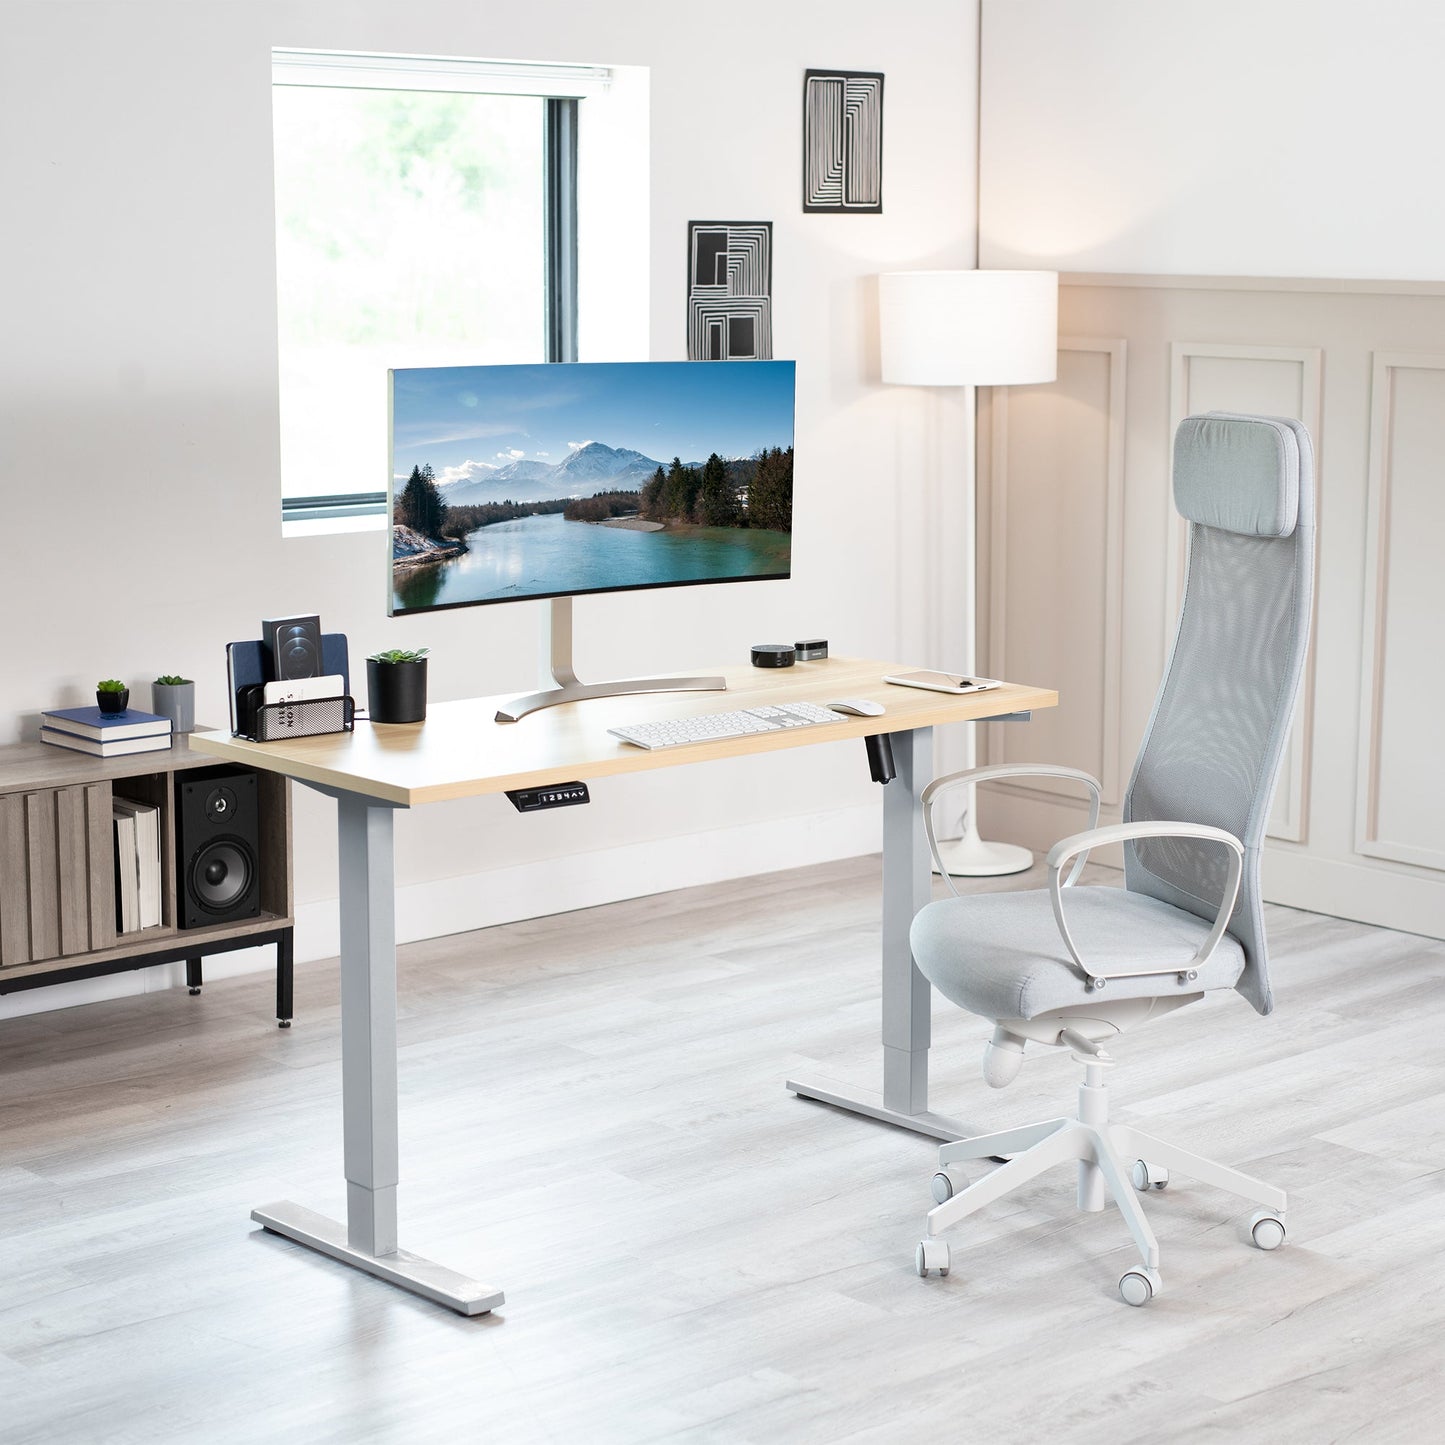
point(1268, 381)
point(1357, 825)
point(1401, 771)
point(1055, 487)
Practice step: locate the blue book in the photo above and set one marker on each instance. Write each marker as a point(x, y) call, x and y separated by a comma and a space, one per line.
point(90, 722)
point(106, 747)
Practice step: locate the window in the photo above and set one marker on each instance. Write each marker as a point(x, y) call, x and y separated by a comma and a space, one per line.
point(425, 216)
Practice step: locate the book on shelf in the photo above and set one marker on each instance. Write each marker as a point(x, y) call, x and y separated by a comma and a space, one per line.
point(127, 871)
point(90, 722)
point(147, 858)
point(106, 747)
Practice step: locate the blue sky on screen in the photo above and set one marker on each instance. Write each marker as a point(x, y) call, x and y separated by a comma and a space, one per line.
point(461, 418)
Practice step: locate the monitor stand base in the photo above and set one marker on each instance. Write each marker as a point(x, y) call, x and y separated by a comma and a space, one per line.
point(557, 655)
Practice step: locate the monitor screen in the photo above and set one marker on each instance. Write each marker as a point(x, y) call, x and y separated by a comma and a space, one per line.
point(510, 482)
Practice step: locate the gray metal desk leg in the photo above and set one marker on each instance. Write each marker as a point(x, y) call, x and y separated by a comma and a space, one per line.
point(368, 1080)
point(907, 870)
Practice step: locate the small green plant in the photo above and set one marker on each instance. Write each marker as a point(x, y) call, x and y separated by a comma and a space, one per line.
point(167, 679)
point(110, 684)
point(399, 654)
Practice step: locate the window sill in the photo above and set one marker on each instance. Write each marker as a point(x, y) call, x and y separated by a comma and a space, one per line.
point(333, 526)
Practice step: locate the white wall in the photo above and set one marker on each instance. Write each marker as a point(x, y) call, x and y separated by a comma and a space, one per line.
point(1288, 138)
point(138, 443)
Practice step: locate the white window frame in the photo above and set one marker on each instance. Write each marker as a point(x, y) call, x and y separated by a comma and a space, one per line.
point(358, 70)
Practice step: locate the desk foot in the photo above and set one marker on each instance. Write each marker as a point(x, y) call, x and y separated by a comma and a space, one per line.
point(869, 1104)
point(420, 1276)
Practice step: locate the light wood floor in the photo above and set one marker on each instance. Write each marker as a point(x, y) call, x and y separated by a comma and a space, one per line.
point(593, 1117)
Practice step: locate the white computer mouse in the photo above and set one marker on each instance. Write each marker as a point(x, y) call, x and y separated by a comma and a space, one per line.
point(857, 706)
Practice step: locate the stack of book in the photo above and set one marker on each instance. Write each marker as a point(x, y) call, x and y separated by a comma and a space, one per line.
point(104, 734)
point(137, 831)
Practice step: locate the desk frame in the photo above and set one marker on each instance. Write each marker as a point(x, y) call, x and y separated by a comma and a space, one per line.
point(368, 1241)
point(907, 999)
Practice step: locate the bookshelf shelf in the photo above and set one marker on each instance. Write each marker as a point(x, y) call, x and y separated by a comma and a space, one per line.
point(57, 898)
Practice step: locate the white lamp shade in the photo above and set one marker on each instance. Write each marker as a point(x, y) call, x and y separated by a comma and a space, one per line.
point(968, 328)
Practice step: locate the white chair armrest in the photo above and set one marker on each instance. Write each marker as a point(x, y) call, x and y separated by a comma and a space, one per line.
point(1080, 845)
point(988, 774)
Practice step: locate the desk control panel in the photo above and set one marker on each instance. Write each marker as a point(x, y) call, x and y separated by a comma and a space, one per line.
point(559, 795)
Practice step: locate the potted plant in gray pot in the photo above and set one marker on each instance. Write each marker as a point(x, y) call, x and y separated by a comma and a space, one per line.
point(112, 695)
point(175, 697)
point(396, 685)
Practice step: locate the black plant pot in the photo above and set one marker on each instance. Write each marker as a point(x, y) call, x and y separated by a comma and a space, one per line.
point(113, 701)
point(396, 691)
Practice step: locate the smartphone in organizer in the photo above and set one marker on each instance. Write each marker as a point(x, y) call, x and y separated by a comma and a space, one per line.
point(943, 681)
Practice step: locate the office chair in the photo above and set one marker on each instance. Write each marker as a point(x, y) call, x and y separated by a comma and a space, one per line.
point(1071, 967)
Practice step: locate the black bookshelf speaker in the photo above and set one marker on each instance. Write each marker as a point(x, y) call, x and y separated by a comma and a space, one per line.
point(218, 837)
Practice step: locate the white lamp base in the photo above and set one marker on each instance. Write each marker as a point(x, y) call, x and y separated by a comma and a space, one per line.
point(972, 857)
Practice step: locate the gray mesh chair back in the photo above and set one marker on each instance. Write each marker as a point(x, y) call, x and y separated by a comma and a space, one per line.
point(1215, 742)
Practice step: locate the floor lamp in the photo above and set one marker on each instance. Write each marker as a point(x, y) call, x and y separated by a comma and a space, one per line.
point(970, 328)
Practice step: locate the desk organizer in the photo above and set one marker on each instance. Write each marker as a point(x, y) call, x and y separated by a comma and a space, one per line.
point(265, 722)
point(305, 719)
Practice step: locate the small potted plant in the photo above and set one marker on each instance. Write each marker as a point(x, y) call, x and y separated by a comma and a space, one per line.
point(112, 696)
point(396, 685)
point(175, 698)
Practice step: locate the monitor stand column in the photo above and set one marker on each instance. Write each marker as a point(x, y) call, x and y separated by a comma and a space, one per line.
point(557, 659)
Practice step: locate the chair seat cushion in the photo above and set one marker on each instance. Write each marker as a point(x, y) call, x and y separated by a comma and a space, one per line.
point(1000, 955)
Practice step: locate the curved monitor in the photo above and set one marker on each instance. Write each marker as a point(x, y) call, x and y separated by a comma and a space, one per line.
point(515, 482)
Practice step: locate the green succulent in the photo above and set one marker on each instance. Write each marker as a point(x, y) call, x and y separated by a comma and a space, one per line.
point(110, 684)
point(170, 680)
point(400, 654)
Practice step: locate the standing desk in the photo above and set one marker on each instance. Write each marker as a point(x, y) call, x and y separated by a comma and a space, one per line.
point(461, 751)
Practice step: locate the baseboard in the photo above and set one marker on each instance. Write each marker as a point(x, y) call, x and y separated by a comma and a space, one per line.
point(1362, 890)
point(531, 890)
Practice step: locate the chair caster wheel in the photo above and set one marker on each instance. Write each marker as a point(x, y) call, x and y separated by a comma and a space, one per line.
point(195, 992)
point(942, 1188)
point(1148, 1176)
point(283, 1023)
point(1266, 1229)
point(931, 1254)
point(1139, 1286)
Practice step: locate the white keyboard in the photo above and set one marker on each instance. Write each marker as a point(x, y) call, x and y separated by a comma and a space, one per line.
point(712, 726)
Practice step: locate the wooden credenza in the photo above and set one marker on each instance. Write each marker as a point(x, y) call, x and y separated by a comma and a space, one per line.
point(57, 870)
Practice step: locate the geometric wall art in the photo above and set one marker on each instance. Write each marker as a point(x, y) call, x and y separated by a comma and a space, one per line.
point(842, 141)
point(729, 290)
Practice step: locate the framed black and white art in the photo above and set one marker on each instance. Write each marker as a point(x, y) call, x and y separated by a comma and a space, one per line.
point(843, 141)
point(729, 290)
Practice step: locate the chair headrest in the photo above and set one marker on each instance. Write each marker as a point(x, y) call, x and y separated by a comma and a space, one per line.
point(1238, 473)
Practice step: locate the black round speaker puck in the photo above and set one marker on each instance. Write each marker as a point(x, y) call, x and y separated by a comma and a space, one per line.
point(774, 654)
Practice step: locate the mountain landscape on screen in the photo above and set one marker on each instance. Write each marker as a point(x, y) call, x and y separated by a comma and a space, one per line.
point(590, 469)
point(491, 500)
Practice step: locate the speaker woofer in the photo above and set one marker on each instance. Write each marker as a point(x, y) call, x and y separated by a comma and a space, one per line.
point(221, 874)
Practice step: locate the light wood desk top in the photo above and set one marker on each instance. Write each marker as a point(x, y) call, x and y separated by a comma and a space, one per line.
point(460, 750)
